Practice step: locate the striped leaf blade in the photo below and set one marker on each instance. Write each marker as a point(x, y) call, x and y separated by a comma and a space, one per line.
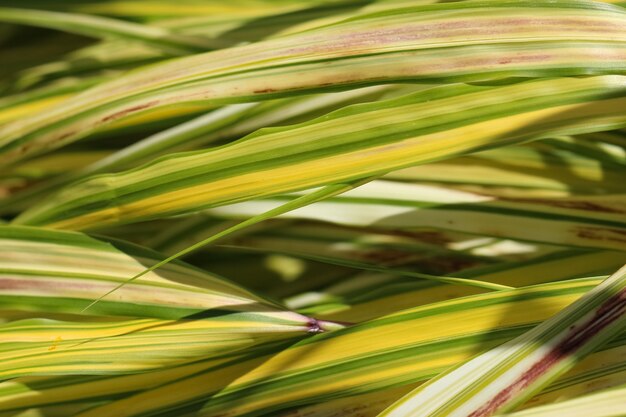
point(601, 370)
point(368, 296)
point(403, 348)
point(55, 271)
point(381, 47)
point(43, 392)
point(525, 167)
point(582, 221)
point(196, 313)
point(229, 121)
point(48, 347)
point(355, 142)
point(504, 377)
point(106, 27)
point(608, 403)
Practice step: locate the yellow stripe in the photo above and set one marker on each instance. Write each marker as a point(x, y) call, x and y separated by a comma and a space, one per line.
point(176, 393)
point(105, 387)
point(395, 336)
point(26, 109)
point(144, 329)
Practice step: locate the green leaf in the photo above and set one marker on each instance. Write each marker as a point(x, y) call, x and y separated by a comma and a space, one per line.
point(403, 348)
point(229, 121)
point(506, 376)
point(355, 142)
point(48, 347)
point(377, 48)
point(368, 296)
point(103, 27)
point(54, 271)
point(609, 403)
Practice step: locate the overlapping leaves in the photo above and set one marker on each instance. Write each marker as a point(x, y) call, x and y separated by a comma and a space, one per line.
point(478, 256)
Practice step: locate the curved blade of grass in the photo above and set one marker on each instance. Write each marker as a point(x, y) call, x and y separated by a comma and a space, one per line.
point(603, 370)
point(160, 9)
point(321, 194)
point(506, 376)
point(578, 221)
point(221, 25)
point(609, 403)
point(593, 146)
point(396, 271)
point(24, 393)
point(366, 296)
point(355, 142)
point(224, 25)
point(403, 348)
point(52, 165)
point(489, 41)
point(598, 371)
point(523, 167)
point(106, 27)
point(321, 238)
point(54, 271)
point(229, 121)
point(43, 392)
point(48, 347)
point(20, 105)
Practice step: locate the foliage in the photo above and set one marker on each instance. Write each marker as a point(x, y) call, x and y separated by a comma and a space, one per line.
point(385, 208)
